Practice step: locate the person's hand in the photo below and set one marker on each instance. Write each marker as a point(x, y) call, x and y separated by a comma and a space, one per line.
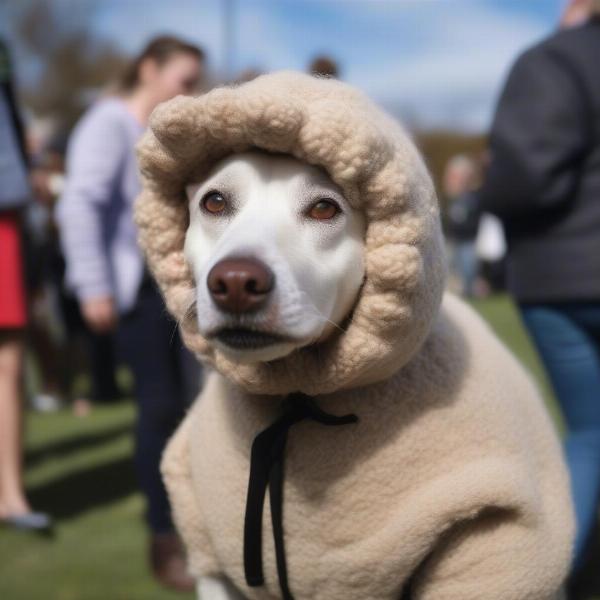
point(99, 314)
point(40, 183)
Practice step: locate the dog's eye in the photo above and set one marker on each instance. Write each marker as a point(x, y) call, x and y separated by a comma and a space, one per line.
point(214, 203)
point(323, 209)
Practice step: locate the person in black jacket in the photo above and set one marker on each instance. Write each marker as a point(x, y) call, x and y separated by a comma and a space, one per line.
point(544, 184)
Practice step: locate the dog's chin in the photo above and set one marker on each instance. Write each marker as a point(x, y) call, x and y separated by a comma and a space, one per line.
point(247, 346)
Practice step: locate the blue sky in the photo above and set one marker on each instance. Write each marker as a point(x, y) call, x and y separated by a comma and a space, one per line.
point(438, 63)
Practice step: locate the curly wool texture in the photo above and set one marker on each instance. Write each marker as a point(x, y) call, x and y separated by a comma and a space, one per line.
point(326, 123)
point(452, 480)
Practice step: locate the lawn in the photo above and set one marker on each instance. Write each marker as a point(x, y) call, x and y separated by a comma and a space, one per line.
point(80, 470)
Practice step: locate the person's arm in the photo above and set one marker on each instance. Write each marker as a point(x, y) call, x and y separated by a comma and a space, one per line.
point(538, 139)
point(94, 162)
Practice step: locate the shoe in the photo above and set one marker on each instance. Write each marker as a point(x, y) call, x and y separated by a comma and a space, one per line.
point(168, 562)
point(30, 521)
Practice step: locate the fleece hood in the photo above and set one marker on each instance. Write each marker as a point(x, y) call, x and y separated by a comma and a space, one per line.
point(326, 123)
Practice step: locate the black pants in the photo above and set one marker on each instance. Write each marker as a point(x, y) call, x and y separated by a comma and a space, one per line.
point(167, 379)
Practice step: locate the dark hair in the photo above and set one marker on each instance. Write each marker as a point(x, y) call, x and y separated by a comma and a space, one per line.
point(324, 66)
point(160, 50)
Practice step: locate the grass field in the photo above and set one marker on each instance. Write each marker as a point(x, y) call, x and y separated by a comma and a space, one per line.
point(80, 471)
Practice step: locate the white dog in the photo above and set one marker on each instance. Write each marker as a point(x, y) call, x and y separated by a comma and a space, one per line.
point(277, 256)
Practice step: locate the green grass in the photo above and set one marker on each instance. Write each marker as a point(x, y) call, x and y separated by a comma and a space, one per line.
point(80, 471)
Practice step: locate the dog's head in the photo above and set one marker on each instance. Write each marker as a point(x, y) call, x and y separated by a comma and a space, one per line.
point(313, 263)
point(276, 253)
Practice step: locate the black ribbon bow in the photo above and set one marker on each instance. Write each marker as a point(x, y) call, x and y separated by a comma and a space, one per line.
point(266, 470)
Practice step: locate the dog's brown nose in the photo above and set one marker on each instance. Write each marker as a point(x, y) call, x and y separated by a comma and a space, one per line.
point(240, 285)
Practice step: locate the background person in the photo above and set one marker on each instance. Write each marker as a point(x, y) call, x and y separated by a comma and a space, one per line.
point(14, 195)
point(106, 270)
point(462, 218)
point(63, 345)
point(544, 183)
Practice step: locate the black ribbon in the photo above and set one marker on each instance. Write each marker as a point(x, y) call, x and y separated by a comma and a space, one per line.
point(266, 470)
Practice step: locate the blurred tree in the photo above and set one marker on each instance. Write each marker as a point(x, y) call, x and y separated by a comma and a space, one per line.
point(74, 65)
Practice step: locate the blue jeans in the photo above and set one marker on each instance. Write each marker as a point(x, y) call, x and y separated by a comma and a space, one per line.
point(567, 336)
point(466, 265)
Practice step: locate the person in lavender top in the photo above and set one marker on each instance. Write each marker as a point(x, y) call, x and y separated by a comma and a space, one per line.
point(106, 270)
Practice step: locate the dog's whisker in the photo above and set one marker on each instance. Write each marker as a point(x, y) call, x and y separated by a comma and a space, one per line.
point(322, 317)
point(187, 313)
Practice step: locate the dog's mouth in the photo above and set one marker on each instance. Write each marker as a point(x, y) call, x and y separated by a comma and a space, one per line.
point(240, 338)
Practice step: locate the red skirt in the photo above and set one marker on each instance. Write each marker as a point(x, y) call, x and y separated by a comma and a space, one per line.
point(13, 307)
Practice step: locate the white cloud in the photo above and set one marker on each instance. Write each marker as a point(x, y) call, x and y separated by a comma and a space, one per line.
point(454, 78)
point(130, 24)
point(440, 62)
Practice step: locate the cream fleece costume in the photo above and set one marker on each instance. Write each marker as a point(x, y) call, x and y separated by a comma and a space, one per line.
point(451, 485)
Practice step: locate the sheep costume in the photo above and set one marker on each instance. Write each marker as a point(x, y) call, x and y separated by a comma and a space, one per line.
point(419, 459)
